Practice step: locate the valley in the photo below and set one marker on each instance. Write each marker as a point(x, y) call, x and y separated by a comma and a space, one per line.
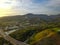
point(32, 29)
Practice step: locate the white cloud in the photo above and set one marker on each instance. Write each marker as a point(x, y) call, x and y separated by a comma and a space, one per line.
point(48, 8)
point(53, 3)
point(27, 6)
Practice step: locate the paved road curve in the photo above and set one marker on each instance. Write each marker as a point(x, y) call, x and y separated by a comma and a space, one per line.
point(10, 39)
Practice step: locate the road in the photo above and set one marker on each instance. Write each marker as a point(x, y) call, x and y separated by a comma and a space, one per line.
point(9, 32)
point(10, 39)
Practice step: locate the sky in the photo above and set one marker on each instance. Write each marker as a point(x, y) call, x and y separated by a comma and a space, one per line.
point(21, 7)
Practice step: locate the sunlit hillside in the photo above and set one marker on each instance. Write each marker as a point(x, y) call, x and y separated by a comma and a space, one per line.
point(33, 29)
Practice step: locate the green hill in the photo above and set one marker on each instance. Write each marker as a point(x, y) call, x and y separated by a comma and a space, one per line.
point(34, 29)
point(34, 37)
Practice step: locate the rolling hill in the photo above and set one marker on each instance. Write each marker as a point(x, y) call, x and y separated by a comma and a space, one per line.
point(35, 29)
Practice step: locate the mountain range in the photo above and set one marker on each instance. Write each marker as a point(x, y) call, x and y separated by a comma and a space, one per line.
point(38, 29)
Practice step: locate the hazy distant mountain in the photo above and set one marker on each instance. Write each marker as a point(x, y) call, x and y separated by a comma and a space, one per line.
point(45, 33)
point(31, 17)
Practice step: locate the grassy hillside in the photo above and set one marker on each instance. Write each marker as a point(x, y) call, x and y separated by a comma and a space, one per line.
point(33, 36)
point(34, 29)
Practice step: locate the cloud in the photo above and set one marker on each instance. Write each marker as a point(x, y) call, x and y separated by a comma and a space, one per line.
point(47, 6)
point(19, 7)
point(54, 6)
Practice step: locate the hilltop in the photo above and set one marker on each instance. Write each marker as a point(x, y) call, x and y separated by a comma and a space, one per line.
point(34, 29)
